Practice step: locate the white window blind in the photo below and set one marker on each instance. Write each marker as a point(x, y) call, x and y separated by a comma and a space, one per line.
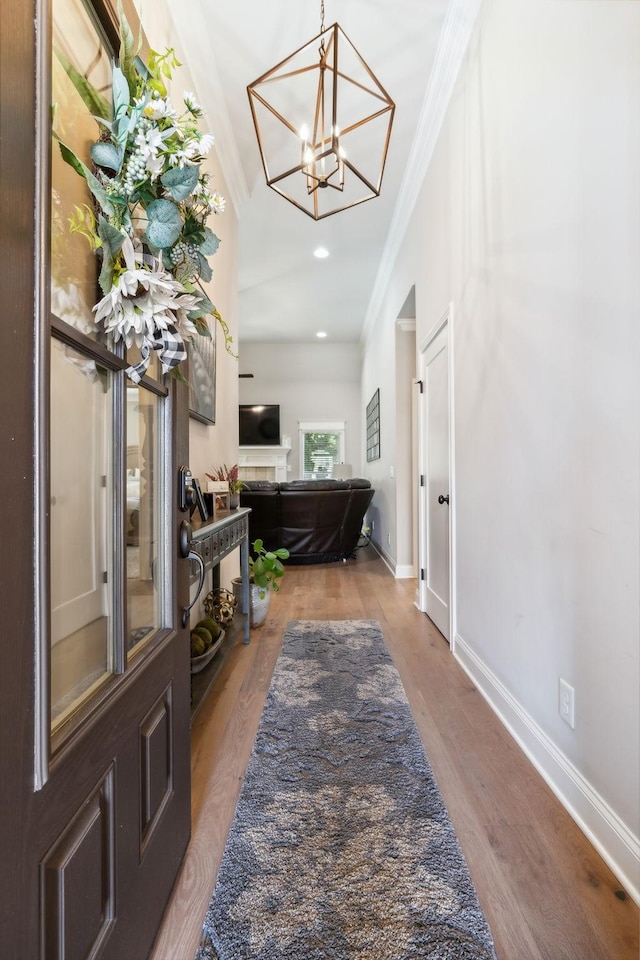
point(321, 447)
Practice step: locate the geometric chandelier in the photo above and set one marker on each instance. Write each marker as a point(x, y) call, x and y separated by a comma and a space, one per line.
point(323, 123)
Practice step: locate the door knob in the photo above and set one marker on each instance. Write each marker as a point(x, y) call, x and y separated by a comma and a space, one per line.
point(186, 533)
point(201, 572)
point(443, 499)
point(186, 551)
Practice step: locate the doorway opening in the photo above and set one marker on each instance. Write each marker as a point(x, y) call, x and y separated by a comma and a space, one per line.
point(405, 439)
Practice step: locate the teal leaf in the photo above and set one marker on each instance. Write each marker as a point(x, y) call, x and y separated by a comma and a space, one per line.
point(107, 155)
point(181, 181)
point(165, 223)
point(104, 122)
point(201, 326)
point(210, 244)
point(203, 308)
point(105, 278)
point(144, 194)
point(111, 237)
point(206, 272)
point(106, 272)
point(93, 183)
point(120, 89)
point(112, 240)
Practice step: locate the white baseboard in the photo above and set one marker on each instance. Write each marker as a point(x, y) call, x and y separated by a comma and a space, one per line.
point(400, 571)
point(613, 840)
point(389, 561)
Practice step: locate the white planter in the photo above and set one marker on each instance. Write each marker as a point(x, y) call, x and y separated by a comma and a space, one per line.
point(258, 606)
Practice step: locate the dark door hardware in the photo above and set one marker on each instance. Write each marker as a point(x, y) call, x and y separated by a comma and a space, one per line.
point(186, 489)
point(443, 499)
point(189, 554)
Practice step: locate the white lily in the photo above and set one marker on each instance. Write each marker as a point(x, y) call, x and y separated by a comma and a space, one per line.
point(144, 299)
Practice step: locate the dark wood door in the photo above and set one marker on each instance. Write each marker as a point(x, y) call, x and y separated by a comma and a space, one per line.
point(94, 668)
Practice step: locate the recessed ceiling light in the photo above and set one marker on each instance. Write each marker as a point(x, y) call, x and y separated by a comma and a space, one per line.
point(321, 334)
point(321, 253)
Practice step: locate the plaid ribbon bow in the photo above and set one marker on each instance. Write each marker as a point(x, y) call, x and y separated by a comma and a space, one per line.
point(172, 351)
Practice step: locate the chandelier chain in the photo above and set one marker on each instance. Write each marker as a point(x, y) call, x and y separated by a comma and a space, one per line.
point(322, 47)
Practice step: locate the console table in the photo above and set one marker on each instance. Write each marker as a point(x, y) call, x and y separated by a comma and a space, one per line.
point(212, 541)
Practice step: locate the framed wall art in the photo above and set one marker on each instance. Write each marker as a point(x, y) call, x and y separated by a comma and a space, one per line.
point(373, 427)
point(202, 378)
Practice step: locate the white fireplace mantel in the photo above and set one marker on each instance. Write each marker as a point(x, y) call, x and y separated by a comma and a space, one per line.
point(271, 459)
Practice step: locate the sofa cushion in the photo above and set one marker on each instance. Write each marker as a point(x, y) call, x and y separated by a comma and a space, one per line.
point(264, 520)
point(316, 520)
point(311, 519)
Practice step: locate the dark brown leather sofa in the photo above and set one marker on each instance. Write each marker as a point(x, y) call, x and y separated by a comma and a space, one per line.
point(318, 521)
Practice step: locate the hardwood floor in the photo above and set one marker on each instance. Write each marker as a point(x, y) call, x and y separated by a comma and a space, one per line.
point(546, 892)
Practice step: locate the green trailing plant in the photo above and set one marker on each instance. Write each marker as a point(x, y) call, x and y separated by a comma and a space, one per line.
point(266, 568)
point(152, 201)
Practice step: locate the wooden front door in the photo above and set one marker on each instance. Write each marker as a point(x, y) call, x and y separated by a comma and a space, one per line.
point(94, 668)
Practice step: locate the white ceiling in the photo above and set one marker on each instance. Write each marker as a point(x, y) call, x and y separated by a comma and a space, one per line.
point(285, 293)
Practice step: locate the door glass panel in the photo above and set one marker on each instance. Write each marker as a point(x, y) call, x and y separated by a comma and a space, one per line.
point(78, 53)
point(144, 471)
point(80, 524)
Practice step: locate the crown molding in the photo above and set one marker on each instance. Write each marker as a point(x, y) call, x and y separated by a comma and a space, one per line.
point(454, 41)
point(208, 89)
point(407, 326)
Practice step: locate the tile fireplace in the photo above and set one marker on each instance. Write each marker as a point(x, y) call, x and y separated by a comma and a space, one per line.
point(263, 463)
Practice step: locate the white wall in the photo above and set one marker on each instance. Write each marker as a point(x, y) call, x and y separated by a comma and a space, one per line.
point(384, 357)
point(208, 445)
point(310, 382)
point(529, 222)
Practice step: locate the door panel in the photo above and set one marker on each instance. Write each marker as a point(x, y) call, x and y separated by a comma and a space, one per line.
point(436, 440)
point(94, 813)
point(80, 868)
point(156, 764)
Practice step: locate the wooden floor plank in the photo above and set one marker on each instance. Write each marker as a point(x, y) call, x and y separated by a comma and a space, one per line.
point(546, 892)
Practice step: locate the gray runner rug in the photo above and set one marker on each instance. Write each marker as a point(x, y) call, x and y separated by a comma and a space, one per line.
point(341, 846)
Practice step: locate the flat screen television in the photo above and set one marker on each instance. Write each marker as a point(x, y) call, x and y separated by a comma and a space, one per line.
point(259, 425)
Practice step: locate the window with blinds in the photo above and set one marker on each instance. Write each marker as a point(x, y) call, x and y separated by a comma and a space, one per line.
point(321, 447)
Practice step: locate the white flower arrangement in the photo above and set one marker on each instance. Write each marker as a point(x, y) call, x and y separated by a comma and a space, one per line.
point(152, 202)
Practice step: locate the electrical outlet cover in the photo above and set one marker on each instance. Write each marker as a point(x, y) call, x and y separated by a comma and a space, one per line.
point(566, 703)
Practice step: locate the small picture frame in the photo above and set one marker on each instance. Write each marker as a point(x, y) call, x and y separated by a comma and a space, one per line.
point(220, 491)
point(202, 507)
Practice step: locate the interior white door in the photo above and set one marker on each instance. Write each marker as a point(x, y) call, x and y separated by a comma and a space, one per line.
point(436, 445)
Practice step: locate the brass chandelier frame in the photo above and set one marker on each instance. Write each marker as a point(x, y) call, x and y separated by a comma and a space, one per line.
point(323, 161)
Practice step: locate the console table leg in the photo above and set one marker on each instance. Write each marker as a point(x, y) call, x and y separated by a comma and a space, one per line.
point(244, 570)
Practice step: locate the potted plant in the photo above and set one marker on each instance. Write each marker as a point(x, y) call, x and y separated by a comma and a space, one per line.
point(230, 476)
point(265, 572)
